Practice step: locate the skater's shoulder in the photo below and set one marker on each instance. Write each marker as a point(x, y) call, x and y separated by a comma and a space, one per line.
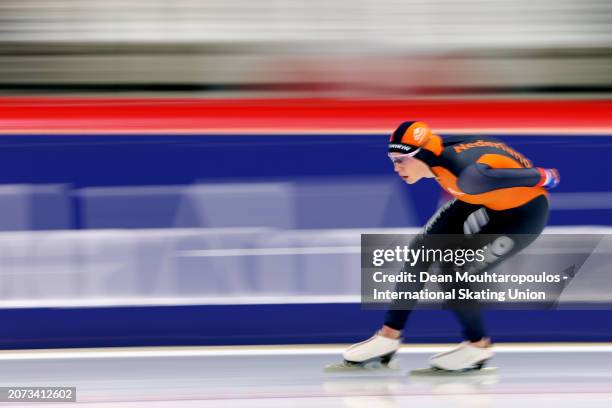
point(460, 143)
point(467, 149)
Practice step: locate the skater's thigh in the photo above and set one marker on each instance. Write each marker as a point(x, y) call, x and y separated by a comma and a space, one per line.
point(516, 228)
point(450, 218)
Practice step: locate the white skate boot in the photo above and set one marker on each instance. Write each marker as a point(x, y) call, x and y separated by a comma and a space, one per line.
point(374, 353)
point(462, 359)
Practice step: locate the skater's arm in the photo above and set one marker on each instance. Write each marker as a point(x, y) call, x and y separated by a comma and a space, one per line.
point(480, 178)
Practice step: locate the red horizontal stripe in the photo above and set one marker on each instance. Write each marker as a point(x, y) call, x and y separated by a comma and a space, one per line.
point(98, 114)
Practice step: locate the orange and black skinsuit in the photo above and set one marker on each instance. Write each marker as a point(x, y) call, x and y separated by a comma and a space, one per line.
point(497, 194)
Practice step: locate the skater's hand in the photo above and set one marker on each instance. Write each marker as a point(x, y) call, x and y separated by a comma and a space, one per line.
point(550, 178)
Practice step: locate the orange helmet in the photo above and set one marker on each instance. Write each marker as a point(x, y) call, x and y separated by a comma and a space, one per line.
point(412, 137)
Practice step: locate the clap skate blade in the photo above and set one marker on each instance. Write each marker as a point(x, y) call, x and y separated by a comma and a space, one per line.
point(379, 363)
point(476, 369)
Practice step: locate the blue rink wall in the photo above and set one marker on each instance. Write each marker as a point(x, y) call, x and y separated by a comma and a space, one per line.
point(276, 324)
point(82, 161)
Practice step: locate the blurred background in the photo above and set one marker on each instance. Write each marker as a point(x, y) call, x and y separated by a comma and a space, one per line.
point(359, 48)
point(200, 172)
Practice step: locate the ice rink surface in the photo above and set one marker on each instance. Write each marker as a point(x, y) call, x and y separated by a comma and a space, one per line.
point(529, 376)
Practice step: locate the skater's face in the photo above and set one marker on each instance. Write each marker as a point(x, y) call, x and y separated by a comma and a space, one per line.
point(408, 168)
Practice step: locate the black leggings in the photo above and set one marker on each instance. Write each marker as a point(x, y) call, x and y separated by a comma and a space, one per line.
point(463, 219)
